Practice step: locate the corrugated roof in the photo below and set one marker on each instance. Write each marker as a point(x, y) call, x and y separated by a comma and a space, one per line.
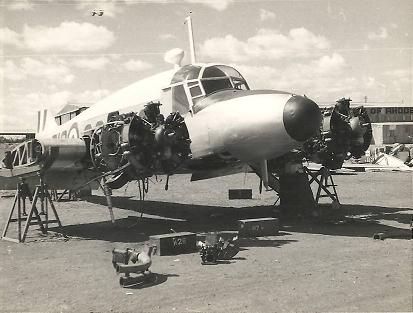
point(70, 108)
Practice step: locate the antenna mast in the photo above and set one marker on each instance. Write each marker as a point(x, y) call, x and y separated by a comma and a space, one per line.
point(188, 21)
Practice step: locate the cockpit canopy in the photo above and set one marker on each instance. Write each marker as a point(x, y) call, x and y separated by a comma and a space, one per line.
point(191, 83)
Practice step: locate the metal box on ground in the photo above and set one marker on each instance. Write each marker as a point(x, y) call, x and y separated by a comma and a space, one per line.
point(258, 227)
point(175, 243)
point(239, 194)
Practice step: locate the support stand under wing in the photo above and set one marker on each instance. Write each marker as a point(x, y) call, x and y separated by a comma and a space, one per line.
point(41, 193)
point(325, 183)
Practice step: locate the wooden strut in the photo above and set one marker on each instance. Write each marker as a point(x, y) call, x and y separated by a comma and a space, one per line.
point(324, 180)
point(22, 192)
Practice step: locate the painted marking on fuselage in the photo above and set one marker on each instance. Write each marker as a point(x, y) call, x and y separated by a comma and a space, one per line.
point(44, 119)
point(74, 130)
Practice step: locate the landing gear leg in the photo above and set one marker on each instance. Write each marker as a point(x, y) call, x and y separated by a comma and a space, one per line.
point(108, 195)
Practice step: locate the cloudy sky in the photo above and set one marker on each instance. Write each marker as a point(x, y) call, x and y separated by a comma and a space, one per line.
point(54, 51)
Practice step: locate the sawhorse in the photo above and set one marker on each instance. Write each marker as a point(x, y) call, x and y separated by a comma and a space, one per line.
point(22, 192)
point(324, 181)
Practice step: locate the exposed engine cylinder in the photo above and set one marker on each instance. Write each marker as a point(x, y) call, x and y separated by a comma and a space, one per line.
point(345, 132)
point(132, 146)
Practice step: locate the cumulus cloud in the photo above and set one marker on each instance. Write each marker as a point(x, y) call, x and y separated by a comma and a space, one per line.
point(327, 64)
point(166, 36)
point(266, 15)
point(68, 36)
point(265, 44)
point(400, 74)
point(91, 63)
point(219, 5)
point(12, 72)
point(50, 69)
point(380, 34)
point(16, 5)
point(136, 65)
point(9, 37)
point(28, 104)
point(89, 97)
point(320, 78)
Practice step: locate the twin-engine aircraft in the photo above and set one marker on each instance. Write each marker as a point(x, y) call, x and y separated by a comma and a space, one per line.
point(199, 118)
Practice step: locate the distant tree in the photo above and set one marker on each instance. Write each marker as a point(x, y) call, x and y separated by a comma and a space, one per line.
point(12, 139)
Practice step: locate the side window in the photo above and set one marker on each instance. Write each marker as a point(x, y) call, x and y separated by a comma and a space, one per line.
point(179, 99)
point(194, 89)
point(240, 85)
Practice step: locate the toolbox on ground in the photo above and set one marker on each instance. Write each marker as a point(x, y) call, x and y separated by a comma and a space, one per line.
point(174, 243)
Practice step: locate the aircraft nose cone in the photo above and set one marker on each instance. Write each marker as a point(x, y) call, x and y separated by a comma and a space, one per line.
point(302, 118)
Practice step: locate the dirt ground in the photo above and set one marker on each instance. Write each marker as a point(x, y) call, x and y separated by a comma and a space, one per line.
point(310, 266)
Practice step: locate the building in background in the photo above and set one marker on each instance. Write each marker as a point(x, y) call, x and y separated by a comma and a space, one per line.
point(68, 112)
point(391, 122)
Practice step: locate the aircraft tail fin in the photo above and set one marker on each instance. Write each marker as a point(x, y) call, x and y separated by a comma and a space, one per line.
point(45, 121)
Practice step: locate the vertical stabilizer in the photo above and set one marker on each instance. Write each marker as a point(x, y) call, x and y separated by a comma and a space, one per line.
point(45, 122)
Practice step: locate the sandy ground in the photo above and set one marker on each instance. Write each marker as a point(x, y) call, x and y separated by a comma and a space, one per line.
point(310, 266)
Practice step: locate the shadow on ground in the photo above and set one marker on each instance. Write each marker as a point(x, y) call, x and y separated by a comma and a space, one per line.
point(166, 217)
point(157, 279)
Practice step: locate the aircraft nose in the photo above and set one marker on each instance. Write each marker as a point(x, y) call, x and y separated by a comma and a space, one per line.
point(301, 117)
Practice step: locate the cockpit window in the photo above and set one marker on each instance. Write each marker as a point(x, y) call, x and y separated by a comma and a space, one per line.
point(214, 85)
point(185, 73)
point(220, 77)
point(213, 72)
point(192, 83)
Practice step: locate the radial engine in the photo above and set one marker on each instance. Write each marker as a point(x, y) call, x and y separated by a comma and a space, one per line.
point(345, 132)
point(135, 146)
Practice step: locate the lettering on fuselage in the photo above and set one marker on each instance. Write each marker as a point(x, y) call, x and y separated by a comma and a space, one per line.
point(74, 130)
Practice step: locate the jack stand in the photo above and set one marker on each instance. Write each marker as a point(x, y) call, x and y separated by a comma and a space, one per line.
point(324, 181)
point(108, 195)
point(41, 193)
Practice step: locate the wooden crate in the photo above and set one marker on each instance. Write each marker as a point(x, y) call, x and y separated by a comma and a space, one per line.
point(239, 194)
point(175, 243)
point(258, 227)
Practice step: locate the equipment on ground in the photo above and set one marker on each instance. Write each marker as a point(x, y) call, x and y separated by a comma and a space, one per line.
point(213, 249)
point(258, 227)
point(175, 243)
point(133, 264)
